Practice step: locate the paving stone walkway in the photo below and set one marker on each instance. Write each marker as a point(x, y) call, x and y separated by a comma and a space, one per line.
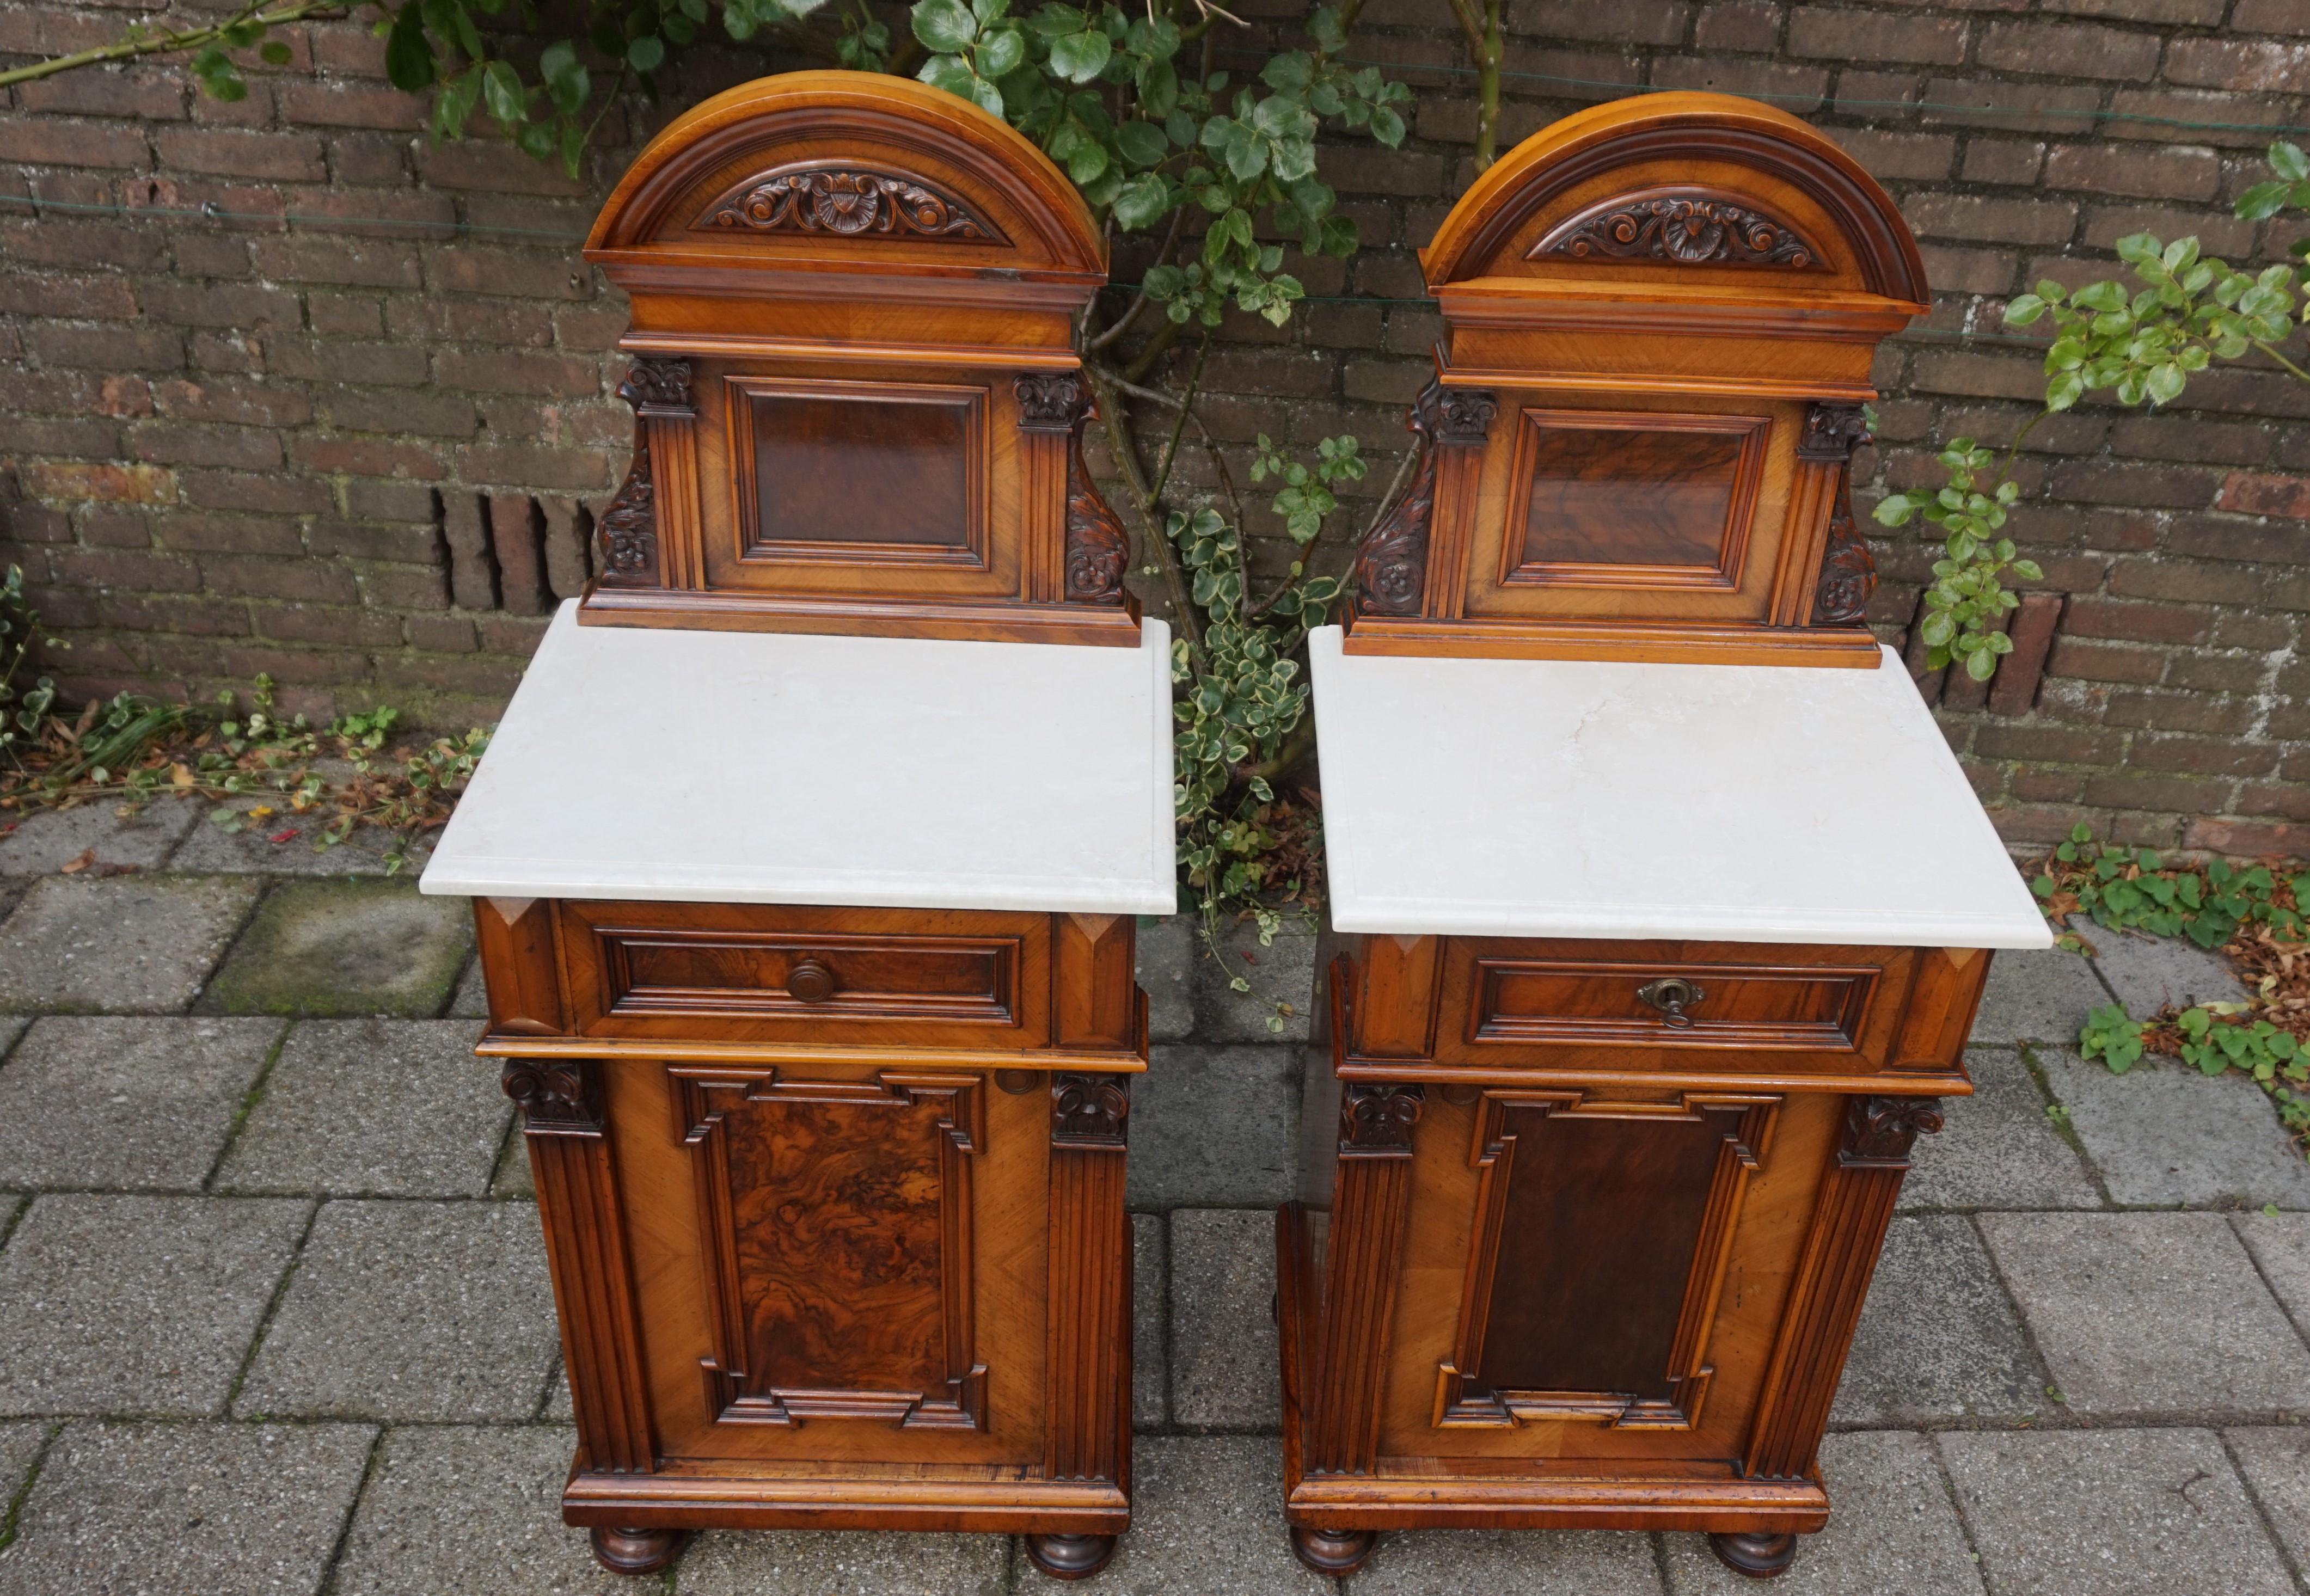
point(275, 1317)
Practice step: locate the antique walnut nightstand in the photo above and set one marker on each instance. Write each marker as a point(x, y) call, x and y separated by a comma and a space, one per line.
point(806, 886)
point(1658, 906)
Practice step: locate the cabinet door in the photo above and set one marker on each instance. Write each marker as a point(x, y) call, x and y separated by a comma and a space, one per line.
point(837, 1265)
point(1598, 1277)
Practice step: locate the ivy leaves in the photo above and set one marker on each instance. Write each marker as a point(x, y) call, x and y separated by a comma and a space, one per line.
point(1969, 592)
point(1102, 93)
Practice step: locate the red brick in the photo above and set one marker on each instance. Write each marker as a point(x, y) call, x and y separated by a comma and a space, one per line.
point(1875, 36)
point(49, 141)
point(2070, 50)
point(364, 540)
point(242, 152)
point(174, 443)
point(153, 94)
point(349, 105)
point(468, 268)
point(1751, 26)
point(2254, 494)
point(72, 481)
point(509, 371)
point(1971, 219)
point(233, 399)
point(2104, 661)
point(365, 262)
point(199, 532)
point(310, 581)
point(2239, 63)
point(2246, 839)
point(2153, 174)
point(1798, 89)
point(2046, 108)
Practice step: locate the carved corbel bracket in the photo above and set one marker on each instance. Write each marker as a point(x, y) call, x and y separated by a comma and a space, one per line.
point(1391, 562)
point(1090, 1111)
point(1098, 548)
point(629, 528)
point(1879, 1131)
point(556, 1097)
point(1848, 571)
point(1377, 1119)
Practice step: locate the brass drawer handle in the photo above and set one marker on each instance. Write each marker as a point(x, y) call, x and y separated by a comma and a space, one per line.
point(1671, 997)
point(810, 982)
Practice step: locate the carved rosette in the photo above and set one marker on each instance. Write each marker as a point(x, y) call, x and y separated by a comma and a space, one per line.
point(555, 1096)
point(1880, 1131)
point(1377, 1118)
point(1089, 1110)
point(848, 200)
point(1689, 226)
point(1832, 433)
point(1392, 561)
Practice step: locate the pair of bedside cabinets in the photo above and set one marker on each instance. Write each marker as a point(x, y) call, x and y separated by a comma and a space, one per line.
point(808, 861)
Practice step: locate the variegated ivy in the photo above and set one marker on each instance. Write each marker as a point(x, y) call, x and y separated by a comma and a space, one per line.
point(2140, 348)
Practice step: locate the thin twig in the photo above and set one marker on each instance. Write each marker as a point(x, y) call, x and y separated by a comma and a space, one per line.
point(1210, 444)
point(1179, 425)
point(1140, 301)
point(1122, 444)
point(164, 43)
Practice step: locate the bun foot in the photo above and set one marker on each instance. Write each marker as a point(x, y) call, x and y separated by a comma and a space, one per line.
point(1071, 1557)
point(1334, 1553)
point(637, 1551)
point(1759, 1556)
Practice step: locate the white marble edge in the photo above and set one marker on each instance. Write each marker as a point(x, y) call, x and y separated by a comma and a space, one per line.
point(454, 870)
point(1640, 915)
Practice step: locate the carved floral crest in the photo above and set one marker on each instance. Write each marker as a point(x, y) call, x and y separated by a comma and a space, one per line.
point(848, 200)
point(1689, 226)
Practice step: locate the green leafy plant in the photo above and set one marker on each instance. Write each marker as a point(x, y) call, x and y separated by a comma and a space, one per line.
point(2113, 1036)
point(2139, 347)
point(2126, 889)
point(2214, 1039)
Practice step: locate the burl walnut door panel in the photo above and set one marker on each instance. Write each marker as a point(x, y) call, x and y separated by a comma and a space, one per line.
point(1591, 1277)
point(952, 978)
point(837, 1264)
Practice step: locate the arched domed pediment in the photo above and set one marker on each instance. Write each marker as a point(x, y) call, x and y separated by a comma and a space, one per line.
point(862, 174)
point(1664, 185)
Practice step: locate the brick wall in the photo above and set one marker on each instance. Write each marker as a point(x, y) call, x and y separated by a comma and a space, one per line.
point(290, 389)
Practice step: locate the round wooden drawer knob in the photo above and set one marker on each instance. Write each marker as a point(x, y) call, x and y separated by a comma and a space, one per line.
point(810, 982)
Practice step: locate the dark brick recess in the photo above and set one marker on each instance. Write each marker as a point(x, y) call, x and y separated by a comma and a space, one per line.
point(351, 428)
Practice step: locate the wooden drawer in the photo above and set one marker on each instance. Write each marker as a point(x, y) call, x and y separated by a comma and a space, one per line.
point(1835, 1007)
point(936, 978)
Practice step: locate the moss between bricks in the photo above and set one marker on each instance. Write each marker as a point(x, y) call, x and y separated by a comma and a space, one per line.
point(345, 948)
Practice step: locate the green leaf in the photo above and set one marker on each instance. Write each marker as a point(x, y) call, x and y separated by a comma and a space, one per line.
point(1141, 144)
point(947, 72)
point(1079, 57)
point(1002, 52)
point(646, 54)
point(2023, 309)
point(501, 89)
point(408, 54)
point(2166, 382)
point(2262, 200)
point(274, 53)
point(2288, 162)
point(566, 81)
point(945, 26)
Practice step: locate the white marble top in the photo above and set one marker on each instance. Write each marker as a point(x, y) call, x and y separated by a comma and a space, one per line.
point(1770, 804)
point(778, 768)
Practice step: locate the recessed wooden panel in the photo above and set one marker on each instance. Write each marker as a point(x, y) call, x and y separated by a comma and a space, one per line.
point(1632, 499)
point(837, 1218)
point(1601, 1243)
point(859, 471)
point(1741, 1005)
point(804, 975)
point(675, 972)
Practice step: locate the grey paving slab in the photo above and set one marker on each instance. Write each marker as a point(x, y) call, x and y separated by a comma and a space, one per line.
point(410, 1311)
point(42, 843)
point(1282, 972)
point(2146, 1315)
point(186, 1510)
point(125, 945)
point(451, 1510)
point(559, 1407)
point(2163, 1135)
point(2276, 1463)
point(2043, 996)
point(137, 1103)
point(1508, 1562)
point(1224, 1372)
point(345, 948)
point(2146, 973)
point(1151, 1314)
point(514, 1178)
point(1997, 1148)
point(19, 1448)
point(137, 1304)
point(2110, 1513)
point(852, 1563)
point(286, 845)
point(1214, 1127)
point(1939, 1339)
point(373, 1108)
point(472, 1000)
point(2280, 1244)
point(1206, 1519)
point(1167, 959)
point(1891, 1527)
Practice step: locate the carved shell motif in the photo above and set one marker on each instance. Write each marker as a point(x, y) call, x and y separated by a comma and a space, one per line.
point(1688, 226)
point(849, 201)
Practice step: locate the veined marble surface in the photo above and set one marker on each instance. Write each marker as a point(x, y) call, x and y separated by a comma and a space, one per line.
point(1562, 798)
point(780, 767)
